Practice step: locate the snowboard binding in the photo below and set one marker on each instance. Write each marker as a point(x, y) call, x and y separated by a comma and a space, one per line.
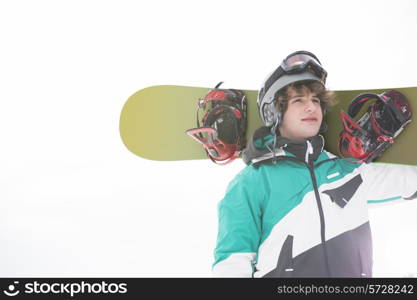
point(375, 131)
point(224, 124)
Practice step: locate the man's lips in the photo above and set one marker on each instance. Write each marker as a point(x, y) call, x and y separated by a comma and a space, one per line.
point(309, 119)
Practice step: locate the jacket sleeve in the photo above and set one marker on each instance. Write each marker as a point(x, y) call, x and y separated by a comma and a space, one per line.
point(389, 183)
point(239, 231)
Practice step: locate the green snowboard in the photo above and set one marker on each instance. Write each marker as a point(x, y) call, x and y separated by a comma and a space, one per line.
point(154, 120)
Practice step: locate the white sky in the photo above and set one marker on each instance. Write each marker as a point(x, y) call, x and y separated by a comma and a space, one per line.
point(75, 202)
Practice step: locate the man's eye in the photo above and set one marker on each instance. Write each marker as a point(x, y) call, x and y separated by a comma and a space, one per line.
point(316, 100)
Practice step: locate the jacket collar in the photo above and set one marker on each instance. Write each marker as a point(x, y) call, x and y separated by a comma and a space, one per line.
point(259, 149)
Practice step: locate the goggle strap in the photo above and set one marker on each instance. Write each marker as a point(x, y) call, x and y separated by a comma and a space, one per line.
point(278, 73)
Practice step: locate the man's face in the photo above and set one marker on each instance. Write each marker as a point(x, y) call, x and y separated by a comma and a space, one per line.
point(303, 116)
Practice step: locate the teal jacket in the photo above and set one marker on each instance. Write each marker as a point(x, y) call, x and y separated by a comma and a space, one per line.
point(303, 212)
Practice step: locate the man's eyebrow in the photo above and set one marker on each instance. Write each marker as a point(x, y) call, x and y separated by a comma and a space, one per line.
point(301, 95)
point(297, 95)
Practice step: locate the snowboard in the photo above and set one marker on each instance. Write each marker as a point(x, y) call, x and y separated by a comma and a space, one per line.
point(154, 120)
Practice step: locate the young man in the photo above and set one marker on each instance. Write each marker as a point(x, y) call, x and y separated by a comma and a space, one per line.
point(297, 210)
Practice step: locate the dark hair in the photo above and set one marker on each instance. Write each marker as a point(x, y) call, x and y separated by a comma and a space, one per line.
point(327, 98)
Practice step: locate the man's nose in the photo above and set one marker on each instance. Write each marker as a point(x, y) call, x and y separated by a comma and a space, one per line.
point(309, 106)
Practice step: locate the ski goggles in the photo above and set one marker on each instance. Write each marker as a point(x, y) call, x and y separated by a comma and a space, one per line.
point(304, 61)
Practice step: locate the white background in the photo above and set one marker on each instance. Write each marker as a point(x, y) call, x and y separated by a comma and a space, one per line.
point(75, 202)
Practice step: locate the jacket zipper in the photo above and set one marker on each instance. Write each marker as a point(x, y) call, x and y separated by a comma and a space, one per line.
point(322, 222)
point(310, 167)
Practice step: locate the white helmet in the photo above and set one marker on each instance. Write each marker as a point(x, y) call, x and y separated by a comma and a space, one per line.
point(296, 67)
